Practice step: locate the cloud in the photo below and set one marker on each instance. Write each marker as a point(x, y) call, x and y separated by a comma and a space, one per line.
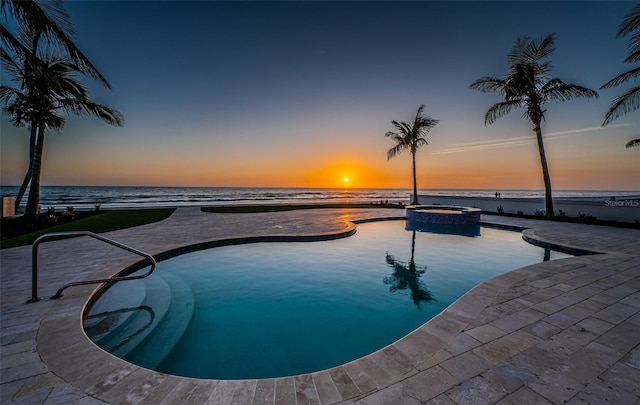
point(516, 141)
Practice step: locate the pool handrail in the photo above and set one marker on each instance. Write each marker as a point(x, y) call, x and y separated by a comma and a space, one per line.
point(64, 235)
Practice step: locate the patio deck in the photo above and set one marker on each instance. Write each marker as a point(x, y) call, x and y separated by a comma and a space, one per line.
point(564, 331)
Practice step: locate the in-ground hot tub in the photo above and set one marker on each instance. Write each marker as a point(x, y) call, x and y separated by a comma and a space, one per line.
point(443, 214)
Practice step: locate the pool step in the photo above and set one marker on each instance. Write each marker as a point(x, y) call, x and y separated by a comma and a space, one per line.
point(159, 342)
point(114, 309)
point(136, 322)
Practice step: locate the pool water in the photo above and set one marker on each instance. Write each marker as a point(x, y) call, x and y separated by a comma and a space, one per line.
point(278, 309)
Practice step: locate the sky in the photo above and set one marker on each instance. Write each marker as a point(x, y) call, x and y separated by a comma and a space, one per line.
point(301, 94)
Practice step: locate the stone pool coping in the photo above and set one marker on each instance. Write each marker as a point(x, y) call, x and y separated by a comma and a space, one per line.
point(470, 350)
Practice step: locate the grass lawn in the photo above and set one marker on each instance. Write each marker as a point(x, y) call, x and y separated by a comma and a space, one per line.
point(104, 222)
point(290, 207)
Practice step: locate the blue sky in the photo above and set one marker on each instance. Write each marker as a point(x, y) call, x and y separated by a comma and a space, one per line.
point(301, 94)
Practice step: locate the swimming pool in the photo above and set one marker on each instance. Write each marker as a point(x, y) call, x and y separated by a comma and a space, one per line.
point(277, 309)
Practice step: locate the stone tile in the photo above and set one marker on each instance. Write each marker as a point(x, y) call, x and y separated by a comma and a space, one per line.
point(344, 384)
point(555, 386)
point(547, 307)
point(63, 395)
point(378, 374)
point(22, 371)
point(265, 392)
point(477, 391)
point(632, 300)
point(535, 360)
point(623, 377)
point(359, 376)
point(327, 390)
point(524, 396)
point(542, 330)
point(394, 394)
point(442, 399)
point(243, 393)
point(285, 391)
point(616, 313)
point(465, 366)
point(178, 395)
point(506, 346)
point(622, 337)
point(305, 390)
point(632, 359)
point(419, 346)
point(505, 377)
point(440, 356)
point(387, 363)
point(601, 393)
point(38, 383)
point(486, 333)
point(398, 358)
point(510, 323)
point(461, 343)
point(585, 365)
point(429, 384)
point(222, 393)
point(134, 387)
point(161, 391)
point(594, 325)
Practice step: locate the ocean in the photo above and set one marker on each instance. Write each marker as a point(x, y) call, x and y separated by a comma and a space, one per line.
point(112, 197)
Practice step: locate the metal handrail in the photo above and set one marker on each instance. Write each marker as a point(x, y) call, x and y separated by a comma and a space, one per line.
point(64, 235)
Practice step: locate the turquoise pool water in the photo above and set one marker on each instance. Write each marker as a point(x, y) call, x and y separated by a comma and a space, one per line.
point(277, 309)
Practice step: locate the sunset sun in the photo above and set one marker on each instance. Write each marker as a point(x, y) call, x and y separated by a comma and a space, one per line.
point(346, 180)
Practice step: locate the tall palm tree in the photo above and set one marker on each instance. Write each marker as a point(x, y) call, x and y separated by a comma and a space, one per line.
point(50, 18)
point(410, 137)
point(41, 24)
point(629, 101)
point(527, 85)
point(42, 95)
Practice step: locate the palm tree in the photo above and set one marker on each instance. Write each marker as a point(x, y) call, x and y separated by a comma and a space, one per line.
point(527, 85)
point(629, 101)
point(37, 21)
point(52, 20)
point(42, 95)
point(410, 137)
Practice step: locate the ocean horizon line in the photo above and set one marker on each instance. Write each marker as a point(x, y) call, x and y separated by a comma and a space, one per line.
point(115, 197)
point(408, 189)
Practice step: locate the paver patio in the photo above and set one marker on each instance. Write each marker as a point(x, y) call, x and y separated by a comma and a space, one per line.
point(563, 331)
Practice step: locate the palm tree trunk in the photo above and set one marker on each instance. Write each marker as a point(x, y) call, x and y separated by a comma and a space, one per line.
point(33, 203)
point(27, 177)
point(548, 198)
point(415, 183)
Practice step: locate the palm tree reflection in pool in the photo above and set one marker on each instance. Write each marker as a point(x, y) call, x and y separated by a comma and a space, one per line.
point(407, 275)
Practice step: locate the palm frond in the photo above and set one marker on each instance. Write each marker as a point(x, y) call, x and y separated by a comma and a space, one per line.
point(501, 109)
point(54, 21)
point(557, 90)
point(7, 94)
point(632, 143)
point(634, 48)
point(84, 107)
point(622, 78)
point(391, 153)
point(489, 85)
point(629, 101)
point(631, 22)
point(516, 54)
